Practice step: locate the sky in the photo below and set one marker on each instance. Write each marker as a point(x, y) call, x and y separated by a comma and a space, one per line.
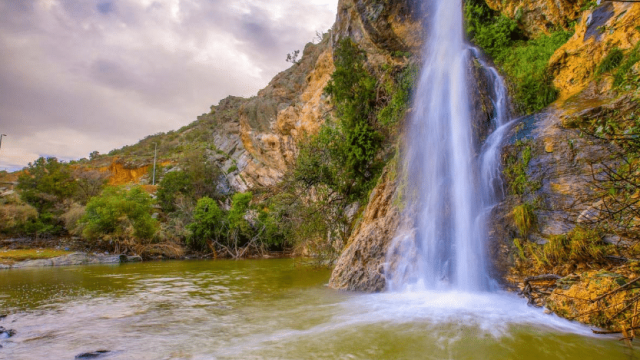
point(84, 75)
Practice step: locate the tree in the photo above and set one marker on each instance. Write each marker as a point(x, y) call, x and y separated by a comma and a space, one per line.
point(204, 175)
point(89, 184)
point(208, 224)
point(173, 185)
point(46, 183)
point(353, 91)
point(293, 57)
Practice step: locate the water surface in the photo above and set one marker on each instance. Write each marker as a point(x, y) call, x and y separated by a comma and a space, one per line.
point(268, 309)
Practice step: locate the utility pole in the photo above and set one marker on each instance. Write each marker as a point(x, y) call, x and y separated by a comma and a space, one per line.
point(1, 136)
point(155, 155)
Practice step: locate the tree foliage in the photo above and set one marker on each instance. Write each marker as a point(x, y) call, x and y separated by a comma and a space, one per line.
point(45, 183)
point(173, 185)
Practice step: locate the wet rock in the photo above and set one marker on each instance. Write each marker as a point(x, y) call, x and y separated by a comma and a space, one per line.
point(6, 333)
point(93, 354)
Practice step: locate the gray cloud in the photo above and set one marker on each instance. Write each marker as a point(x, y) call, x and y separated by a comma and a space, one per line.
point(81, 75)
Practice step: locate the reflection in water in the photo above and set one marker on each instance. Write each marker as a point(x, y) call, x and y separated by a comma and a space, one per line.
point(268, 309)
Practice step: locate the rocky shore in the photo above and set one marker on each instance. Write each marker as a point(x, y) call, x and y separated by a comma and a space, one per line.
point(73, 259)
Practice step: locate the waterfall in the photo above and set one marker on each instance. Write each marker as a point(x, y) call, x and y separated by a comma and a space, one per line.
point(449, 189)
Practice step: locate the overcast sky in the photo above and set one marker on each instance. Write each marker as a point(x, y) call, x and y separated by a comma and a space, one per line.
point(84, 75)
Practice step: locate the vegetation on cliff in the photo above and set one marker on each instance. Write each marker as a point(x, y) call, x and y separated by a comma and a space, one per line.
point(524, 60)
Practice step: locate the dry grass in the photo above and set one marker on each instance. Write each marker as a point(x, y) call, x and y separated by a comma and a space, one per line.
point(11, 256)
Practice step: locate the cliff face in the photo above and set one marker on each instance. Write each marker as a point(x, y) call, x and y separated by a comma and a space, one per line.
point(255, 139)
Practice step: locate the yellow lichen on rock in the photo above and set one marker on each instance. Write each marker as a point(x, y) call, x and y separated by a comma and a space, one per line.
point(581, 298)
point(575, 63)
point(539, 16)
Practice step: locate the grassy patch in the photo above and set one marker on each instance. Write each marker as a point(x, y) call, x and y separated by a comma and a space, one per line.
point(624, 76)
point(581, 245)
point(515, 170)
point(524, 218)
point(611, 61)
point(11, 256)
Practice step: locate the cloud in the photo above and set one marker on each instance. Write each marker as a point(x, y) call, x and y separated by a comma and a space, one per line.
point(84, 75)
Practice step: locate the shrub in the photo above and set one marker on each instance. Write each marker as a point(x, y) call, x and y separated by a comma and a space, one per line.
point(580, 245)
point(515, 171)
point(14, 217)
point(119, 214)
point(353, 91)
point(402, 92)
point(72, 218)
point(624, 75)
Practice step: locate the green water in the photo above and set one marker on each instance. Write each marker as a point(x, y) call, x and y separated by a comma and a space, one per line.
point(268, 309)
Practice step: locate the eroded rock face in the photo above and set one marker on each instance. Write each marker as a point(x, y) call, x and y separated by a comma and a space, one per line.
point(256, 139)
point(361, 266)
point(381, 27)
point(563, 167)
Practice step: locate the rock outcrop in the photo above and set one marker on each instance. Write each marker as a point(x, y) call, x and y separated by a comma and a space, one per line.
point(612, 25)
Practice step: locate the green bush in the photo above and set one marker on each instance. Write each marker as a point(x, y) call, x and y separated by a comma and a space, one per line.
point(524, 218)
point(515, 171)
point(624, 75)
point(402, 91)
point(119, 214)
point(353, 91)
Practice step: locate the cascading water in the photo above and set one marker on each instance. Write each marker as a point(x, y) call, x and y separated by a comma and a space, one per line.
point(449, 189)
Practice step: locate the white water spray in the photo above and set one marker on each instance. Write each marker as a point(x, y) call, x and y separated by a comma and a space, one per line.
point(450, 190)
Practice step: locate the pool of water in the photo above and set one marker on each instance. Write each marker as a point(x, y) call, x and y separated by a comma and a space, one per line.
point(268, 309)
